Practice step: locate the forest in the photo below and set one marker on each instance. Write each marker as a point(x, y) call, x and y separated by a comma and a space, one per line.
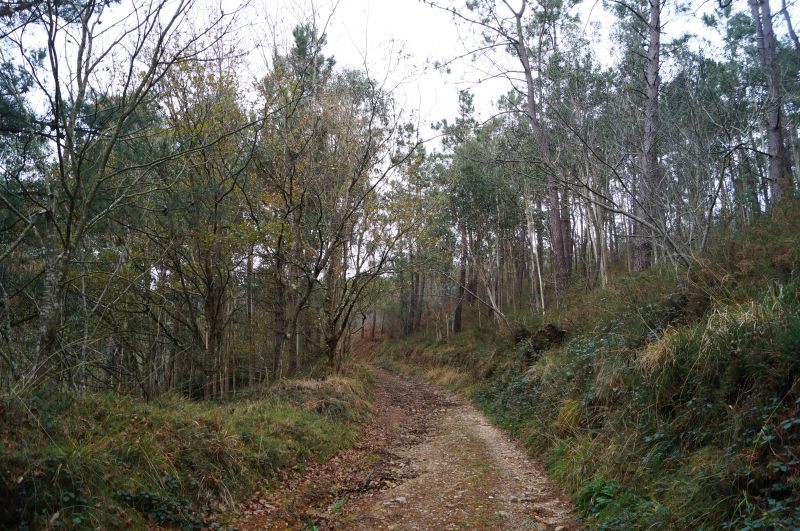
point(215, 263)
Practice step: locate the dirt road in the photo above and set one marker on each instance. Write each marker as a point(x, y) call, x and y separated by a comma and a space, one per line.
point(429, 460)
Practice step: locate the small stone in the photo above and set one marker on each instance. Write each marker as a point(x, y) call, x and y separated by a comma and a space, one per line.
point(514, 499)
point(502, 514)
point(400, 499)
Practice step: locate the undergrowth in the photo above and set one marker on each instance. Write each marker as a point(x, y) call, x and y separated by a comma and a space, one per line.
point(106, 462)
point(674, 401)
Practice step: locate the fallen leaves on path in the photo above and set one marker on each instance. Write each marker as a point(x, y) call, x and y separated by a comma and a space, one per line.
point(429, 460)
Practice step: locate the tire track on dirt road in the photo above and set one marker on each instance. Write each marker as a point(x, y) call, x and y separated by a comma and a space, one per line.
point(428, 460)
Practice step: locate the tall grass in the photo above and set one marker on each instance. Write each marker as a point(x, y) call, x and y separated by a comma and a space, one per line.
point(104, 461)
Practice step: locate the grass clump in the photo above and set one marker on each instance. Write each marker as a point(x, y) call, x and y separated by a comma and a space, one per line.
point(102, 461)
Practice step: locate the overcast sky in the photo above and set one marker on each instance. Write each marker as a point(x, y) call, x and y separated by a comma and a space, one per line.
point(398, 40)
point(419, 35)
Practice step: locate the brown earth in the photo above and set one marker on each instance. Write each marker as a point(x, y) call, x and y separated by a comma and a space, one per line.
point(429, 460)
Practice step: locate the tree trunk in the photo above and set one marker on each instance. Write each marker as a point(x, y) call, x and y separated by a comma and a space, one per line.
point(780, 181)
point(566, 230)
point(462, 279)
point(535, 267)
point(249, 335)
point(790, 28)
point(279, 339)
point(420, 301)
point(487, 286)
point(646, 207)
point(560, 258)
point(55, 274)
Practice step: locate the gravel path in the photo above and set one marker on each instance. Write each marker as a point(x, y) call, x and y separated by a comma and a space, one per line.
point(429, 460)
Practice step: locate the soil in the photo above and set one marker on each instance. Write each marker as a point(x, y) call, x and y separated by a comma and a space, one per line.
point(428, 460)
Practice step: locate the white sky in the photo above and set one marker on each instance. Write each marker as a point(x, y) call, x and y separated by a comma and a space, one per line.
point(396, 40)
point(422, 35)
point(400, 39)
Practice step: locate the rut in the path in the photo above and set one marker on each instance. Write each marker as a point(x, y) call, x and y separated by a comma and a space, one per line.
point(429, 460)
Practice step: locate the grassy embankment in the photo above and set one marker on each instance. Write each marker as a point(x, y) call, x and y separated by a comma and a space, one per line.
point(674, 401)
point(105, 462)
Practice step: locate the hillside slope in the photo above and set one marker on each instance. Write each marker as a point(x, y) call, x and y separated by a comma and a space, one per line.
point(674, 399)
point(106, 462)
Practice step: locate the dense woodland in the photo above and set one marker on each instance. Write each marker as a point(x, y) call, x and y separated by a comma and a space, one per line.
point(589, 169)
point(167, 228)
point(169, 225)
point(212, 235)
